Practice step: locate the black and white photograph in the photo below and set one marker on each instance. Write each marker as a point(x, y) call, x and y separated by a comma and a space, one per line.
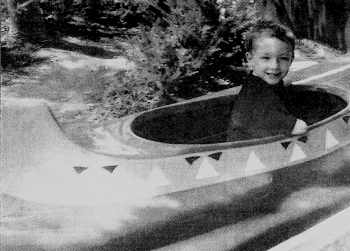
point(175, 125)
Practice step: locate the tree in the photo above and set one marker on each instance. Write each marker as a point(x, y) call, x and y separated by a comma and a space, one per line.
point(325, 21)
point(26, 21)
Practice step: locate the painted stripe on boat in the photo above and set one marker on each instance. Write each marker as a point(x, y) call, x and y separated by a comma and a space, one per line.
point(157, 178)
point(325, 74)
point(206, 170)
point(297, 153)
point(331, 141)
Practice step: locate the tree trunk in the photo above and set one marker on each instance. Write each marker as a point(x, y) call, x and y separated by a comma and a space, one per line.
point(347, 28)
point(13, 29)
point(26, 21)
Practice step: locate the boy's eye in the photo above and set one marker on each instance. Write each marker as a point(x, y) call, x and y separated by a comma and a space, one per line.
point(266, 58)
point(285, 58)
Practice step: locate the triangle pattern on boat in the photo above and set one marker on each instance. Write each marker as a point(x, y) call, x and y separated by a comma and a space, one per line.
point(206, 170)
point(330, 140)
point(216, 156)
point(157, 178)
point(286, 144)
point(190, 160)
point(110, 168)
point(254, 163)
point(303, 139)
point(297, 153)
point(346, 119)
point(80, 169)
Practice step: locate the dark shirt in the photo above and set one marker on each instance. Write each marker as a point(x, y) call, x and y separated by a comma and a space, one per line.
point(259, 111)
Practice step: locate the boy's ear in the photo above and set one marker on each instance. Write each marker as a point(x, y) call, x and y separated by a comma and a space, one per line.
point(248, 57)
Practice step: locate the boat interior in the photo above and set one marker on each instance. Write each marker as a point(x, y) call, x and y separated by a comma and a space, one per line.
point(205, 121)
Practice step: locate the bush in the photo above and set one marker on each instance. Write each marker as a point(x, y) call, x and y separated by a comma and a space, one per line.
point(190, 47)
point(133, 91)
point(186, 52)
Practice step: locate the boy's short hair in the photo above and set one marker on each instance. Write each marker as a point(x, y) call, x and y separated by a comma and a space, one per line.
point(269, 29)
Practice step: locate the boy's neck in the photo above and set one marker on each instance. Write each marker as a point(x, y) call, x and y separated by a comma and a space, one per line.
point(279, 84)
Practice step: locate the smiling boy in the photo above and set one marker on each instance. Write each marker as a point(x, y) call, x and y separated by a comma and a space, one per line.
point(259, 109)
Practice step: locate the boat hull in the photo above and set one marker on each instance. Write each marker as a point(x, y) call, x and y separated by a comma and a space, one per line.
point(36, 154)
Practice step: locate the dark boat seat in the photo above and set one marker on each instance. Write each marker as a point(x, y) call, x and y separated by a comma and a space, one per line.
point(205, 121)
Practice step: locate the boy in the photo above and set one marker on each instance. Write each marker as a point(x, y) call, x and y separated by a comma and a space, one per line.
point(259, 110)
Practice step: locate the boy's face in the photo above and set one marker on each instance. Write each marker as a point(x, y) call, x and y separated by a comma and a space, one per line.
point(270, 59)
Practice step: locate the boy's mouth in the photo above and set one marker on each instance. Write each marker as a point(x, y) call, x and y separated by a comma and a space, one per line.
point(275, 75)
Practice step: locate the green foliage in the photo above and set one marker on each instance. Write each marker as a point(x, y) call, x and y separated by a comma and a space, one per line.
point(132, 92)
point(192, 45)
point(183, 54)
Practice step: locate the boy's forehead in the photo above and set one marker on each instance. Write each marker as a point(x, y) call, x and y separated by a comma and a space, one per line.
point(266, 38)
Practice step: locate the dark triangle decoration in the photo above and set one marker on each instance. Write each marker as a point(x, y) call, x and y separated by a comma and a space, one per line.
point(303, 139)
point(190, 160)
point(215, 156)
point(79, 169)
point(346, 119)
point(110, 168)
point(286, 144)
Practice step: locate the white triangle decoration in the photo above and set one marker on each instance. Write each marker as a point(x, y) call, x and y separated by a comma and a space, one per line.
point(157, 178)
point(254, 163)
point(206, 170)
point(297, 153)
point(330, 140)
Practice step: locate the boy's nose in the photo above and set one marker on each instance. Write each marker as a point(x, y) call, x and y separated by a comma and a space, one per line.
point(274, 64)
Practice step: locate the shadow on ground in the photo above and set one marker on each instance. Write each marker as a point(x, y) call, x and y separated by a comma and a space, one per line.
point(17, 58)
point(89, 50)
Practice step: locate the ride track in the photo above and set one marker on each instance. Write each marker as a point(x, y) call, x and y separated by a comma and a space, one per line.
point(41, 165)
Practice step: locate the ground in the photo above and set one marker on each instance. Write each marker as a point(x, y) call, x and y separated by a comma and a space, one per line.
point(71, 77)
